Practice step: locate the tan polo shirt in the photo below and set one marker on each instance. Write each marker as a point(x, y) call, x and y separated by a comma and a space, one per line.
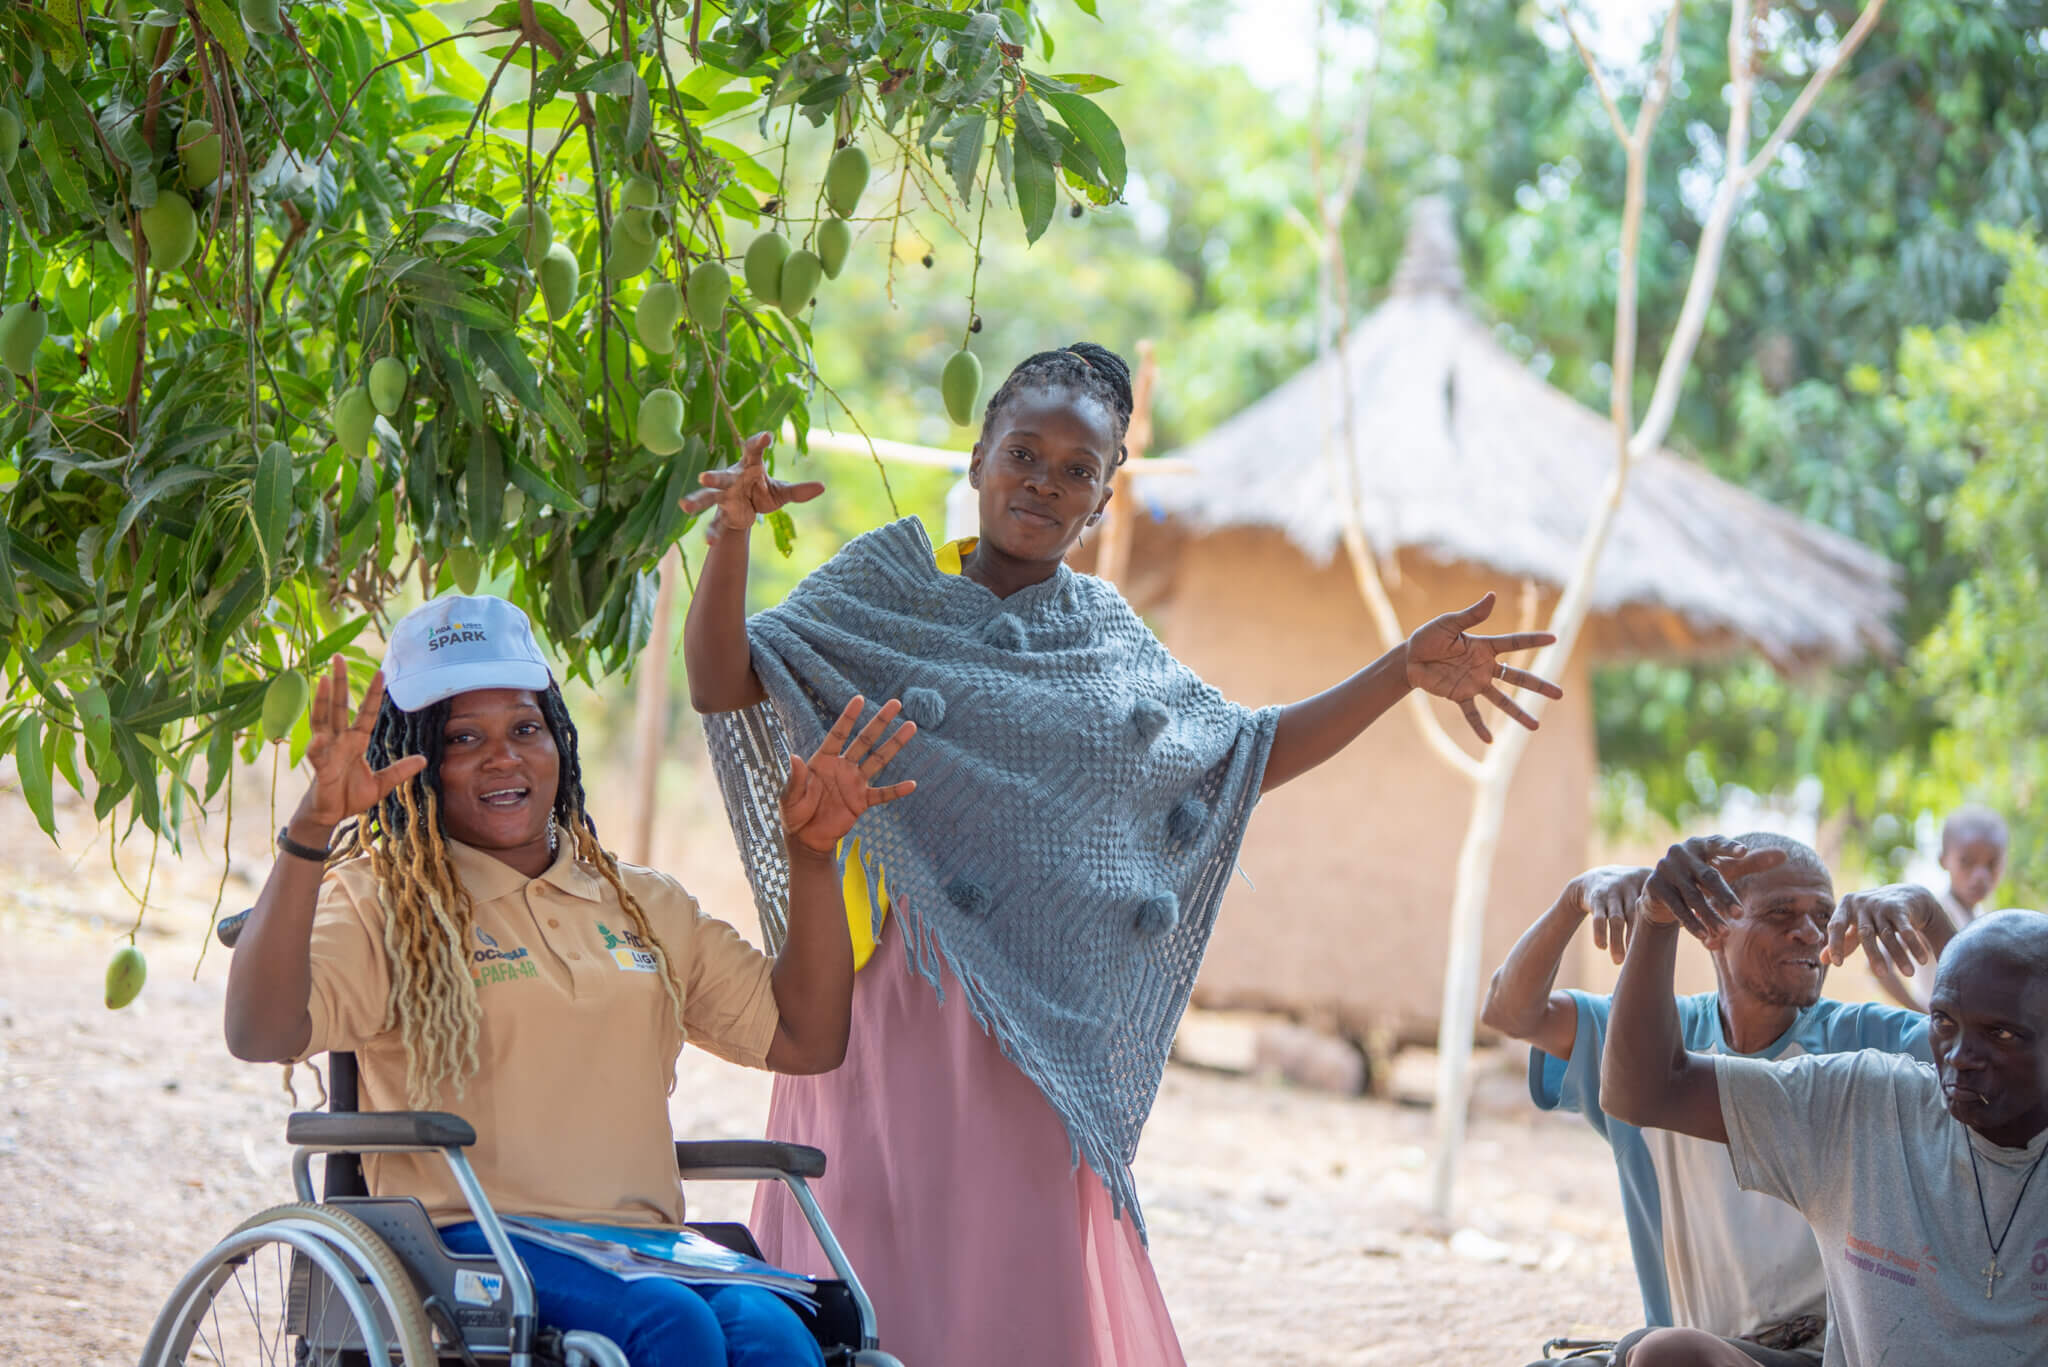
point(577, 1047)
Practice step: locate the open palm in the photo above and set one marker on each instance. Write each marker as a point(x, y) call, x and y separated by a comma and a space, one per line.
point(1448, 661)
point(344, 784)
point(828, 792)
point(746, 491)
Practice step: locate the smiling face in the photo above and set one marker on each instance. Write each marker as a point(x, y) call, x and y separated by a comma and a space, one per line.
point(1772, 952)
point(499, 770)
point(1988, 1029)
point(1043, 468)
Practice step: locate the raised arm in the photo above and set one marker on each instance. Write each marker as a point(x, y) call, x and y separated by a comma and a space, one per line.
point(813, 975)
point(1647, 1077)
point(1520, 1002)
point(270, 977)
point(715, 650)
point(1440, 658)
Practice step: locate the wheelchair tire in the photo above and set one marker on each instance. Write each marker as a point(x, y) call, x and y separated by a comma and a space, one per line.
point(196, 1309)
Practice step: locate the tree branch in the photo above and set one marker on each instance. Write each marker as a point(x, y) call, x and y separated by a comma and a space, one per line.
point(1614, 119)
point(1796, 115)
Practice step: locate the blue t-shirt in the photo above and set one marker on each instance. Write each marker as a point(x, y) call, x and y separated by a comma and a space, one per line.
point(1691, 1229)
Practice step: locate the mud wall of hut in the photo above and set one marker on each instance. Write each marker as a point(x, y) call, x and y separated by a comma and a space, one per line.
point(1352, 866)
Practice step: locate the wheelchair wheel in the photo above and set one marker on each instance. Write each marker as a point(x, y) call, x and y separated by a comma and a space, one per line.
point(296, 1286)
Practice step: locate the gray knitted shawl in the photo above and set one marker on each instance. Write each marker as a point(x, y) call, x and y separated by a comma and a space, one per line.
point(1081, 799)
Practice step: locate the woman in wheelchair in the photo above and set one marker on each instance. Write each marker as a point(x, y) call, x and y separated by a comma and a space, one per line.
point(443, 908)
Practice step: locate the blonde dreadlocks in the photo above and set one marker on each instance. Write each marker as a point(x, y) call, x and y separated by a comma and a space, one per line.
point(428, 913)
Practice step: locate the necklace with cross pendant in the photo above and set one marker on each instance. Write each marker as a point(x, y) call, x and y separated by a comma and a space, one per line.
point(1992, 1272)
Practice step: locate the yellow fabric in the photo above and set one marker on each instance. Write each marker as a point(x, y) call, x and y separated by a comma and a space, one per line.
point(862, 922)
point(578, 1044)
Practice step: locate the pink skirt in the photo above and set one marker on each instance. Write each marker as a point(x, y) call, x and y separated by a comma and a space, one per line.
point(950, 1183)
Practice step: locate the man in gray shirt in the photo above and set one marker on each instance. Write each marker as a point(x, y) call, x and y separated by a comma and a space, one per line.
point(1922, 1184)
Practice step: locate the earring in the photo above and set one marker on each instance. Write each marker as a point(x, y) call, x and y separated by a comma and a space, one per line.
point(554, 835)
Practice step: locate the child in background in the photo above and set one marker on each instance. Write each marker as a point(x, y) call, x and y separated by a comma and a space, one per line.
point(1973, 847)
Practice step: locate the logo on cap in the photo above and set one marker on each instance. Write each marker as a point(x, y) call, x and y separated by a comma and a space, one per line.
point(454, 634)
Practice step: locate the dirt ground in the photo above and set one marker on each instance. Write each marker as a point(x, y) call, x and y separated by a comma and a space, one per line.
point(1288, 1227)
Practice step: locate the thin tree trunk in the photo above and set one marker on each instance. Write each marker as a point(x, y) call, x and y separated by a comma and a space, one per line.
point(1489, 801)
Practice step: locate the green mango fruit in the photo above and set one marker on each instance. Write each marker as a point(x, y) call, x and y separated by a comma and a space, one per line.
point(763, 266)
point(172, 230)
point(261, 17)
point(536, 235)
point(960, 383)
point(559, 275)
point(355, 422)
point(800, 276)
point(628, 257)
point(655, 319)
point(464, 568)
point(636, 224)
point(199, 153)
point(284, 702)
point(23, 325)
point(639, 192)
point(125, 974)
point(10, 139)
point(846, 179)
point(835, 240)
point(388, 379)
point(661, 421)
point(709, 289)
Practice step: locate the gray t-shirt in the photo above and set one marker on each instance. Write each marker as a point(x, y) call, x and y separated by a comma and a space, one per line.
point(1864, 1147)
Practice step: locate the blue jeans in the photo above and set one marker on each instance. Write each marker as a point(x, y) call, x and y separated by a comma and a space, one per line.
point(655, 1321)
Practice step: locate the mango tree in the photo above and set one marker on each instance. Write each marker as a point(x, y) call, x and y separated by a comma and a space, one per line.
point(303, 303)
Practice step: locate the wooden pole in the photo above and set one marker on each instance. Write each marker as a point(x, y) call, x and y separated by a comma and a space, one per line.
point(650, 712)
point(1120, 518)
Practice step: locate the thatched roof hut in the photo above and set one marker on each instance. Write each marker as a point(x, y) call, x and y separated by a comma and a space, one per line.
point(1471, 473)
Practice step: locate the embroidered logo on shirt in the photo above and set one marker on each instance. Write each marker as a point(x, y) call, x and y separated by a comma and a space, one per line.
point(628, 950)
point(491, 964)
point(2037, 1270)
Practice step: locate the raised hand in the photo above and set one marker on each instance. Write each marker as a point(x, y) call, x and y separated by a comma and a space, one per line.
point(1691, 885)
point(826, 794)
point(1895, 917)
point(344, 785)
point(1445, 660)
point(744, 491)
point(1607, 896)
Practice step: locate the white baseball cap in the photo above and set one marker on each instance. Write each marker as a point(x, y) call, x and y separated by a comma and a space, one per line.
point(457, 643)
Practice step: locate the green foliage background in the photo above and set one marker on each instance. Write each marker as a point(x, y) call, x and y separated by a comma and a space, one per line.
point(187, 516)
point(1856, 366)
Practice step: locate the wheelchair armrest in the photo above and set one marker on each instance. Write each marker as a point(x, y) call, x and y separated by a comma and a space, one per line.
point(352, 1131)
point(746, 1158)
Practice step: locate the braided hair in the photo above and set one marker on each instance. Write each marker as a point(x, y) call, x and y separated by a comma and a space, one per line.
point(428, 914)
point(1088, 367)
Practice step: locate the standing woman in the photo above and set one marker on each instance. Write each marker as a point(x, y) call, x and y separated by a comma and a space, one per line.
point(1043, 906)
point(441, 906)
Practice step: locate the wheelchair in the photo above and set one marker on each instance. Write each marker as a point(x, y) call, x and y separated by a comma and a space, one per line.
point(355, 1280)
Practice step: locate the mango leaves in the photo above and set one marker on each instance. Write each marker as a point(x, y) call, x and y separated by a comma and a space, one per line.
point(307, 321)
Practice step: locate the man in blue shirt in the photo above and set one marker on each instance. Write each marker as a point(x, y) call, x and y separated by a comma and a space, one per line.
point(1708, 1255)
